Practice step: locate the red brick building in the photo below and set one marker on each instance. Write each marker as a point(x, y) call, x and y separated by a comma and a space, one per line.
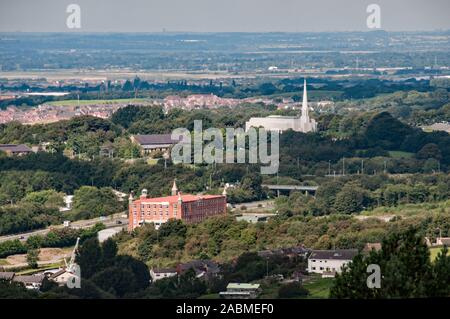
point(189, 208)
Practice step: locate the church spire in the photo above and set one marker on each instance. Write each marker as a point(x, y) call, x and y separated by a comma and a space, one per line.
point(305, 111)
point(174, 188)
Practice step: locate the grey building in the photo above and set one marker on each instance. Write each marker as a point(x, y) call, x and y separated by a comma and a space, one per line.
point(15, 150)
point(154, 142)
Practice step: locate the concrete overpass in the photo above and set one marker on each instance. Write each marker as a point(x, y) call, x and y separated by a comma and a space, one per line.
point(308, 190)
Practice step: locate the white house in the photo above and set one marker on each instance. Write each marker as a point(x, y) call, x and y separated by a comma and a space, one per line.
point(162, 273)
point(329, 262)
point(441, 241)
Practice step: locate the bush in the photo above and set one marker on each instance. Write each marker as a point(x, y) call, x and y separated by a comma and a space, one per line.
point(65, 237)
point(89, 202)
point(11, 247)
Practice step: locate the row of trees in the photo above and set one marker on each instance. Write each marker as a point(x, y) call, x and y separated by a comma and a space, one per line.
point(352, 194)
point(41, 208)
point(364, 134)
point(63, 237)
point(406, 271)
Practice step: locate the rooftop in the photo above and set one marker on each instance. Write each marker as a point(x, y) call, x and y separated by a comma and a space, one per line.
point(58, 273)
point(164, 270)
point(242, 286)
point(338, 254)
point(202, 265)
point(174, 198)
point(6, 275)
point(14, 148)
point(155, 139)
point(29, 279)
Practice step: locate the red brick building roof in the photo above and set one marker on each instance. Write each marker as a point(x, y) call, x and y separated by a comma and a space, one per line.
point(173, 199)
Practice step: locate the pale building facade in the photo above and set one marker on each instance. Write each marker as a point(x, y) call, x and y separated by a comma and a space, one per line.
point(330, 261)
point(278, 123)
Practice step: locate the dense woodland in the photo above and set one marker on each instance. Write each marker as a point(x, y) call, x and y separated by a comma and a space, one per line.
point(364, 145)
point(404, 260)
point(406, 270)
point(390, 167)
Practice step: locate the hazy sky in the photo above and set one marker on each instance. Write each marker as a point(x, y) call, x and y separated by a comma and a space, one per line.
point(222, 15)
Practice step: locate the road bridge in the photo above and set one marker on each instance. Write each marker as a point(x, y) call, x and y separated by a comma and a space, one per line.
point(308, 190)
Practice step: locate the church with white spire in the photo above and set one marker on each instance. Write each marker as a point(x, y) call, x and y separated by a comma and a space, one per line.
point(279, 123)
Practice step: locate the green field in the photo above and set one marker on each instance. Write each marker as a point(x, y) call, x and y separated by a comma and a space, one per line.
point(434, 252)
point(152, 161)
point(210, 296)
point(400, 154)
point(319, 288)
point(409, 210)
point(89, 102)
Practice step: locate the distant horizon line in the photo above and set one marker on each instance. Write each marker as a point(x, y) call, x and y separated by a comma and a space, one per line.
point(224, 32)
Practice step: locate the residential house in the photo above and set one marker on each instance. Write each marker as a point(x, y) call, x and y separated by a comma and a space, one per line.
point(15, 150)
point(30, 282)
point(443, 241)
point(291, 252)
point(154, 142)
point(330, 262)
point(7, 276)
point(204, 269)
point(161, 273)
